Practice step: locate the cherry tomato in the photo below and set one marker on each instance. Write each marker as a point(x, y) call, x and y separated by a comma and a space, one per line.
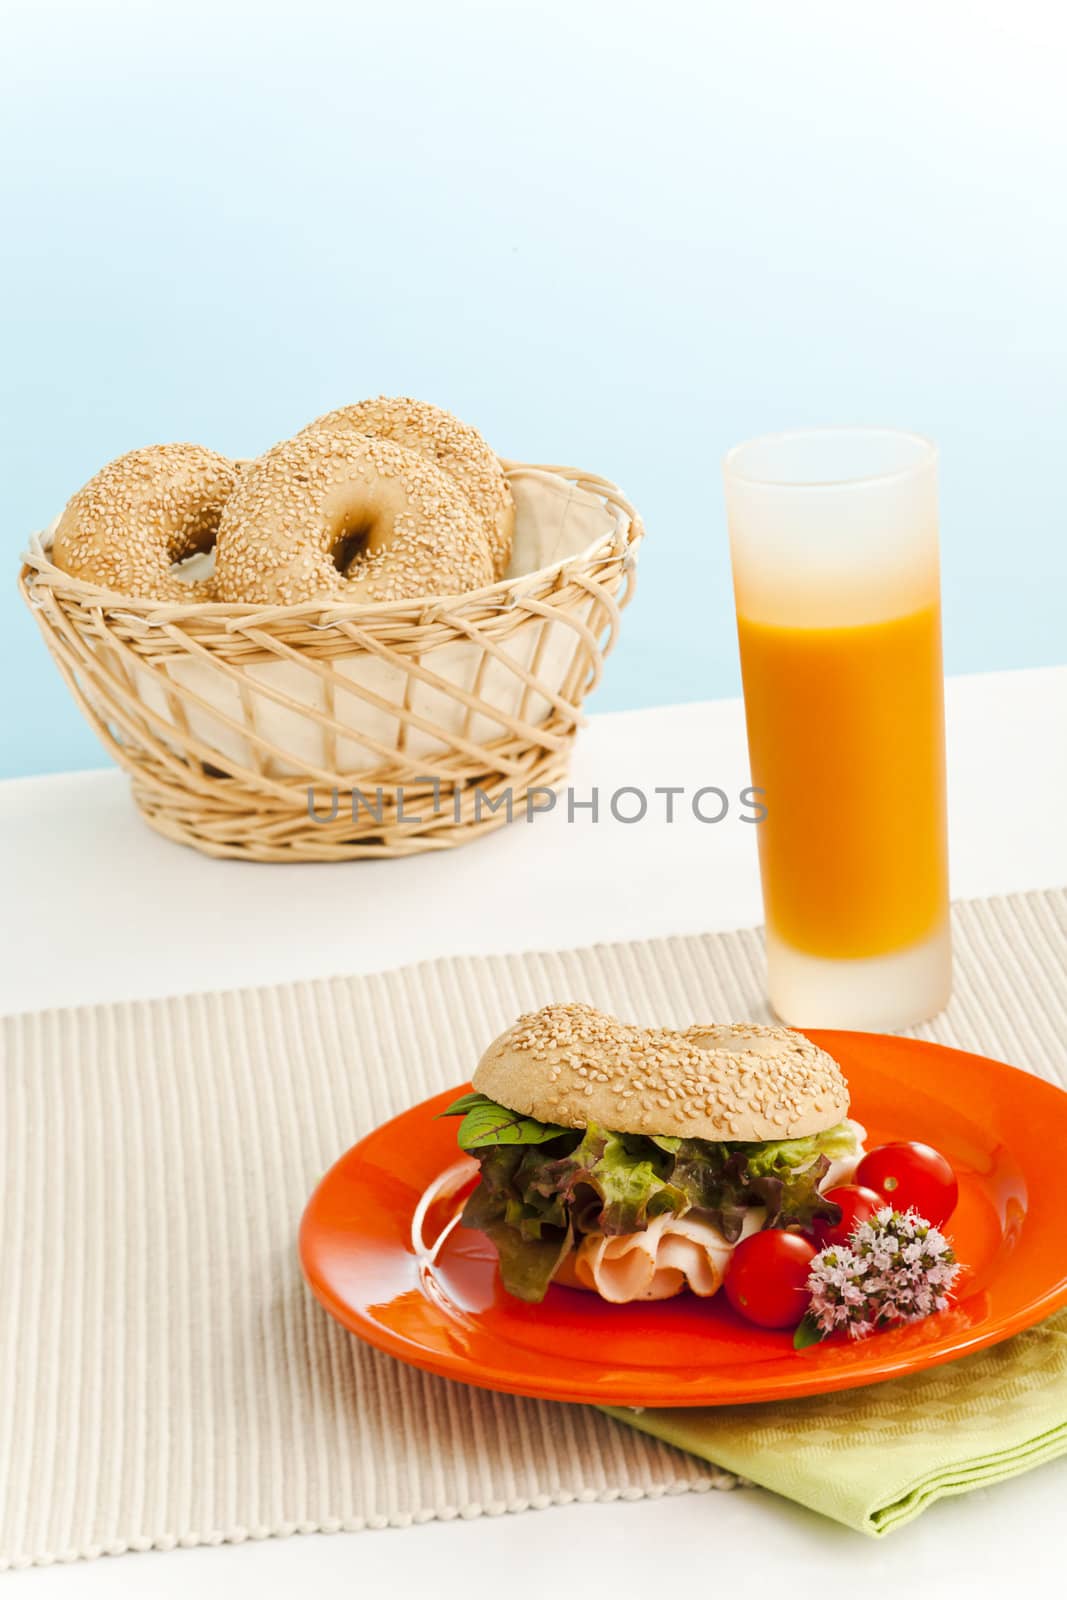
point(766, 1280)
point(857, 1205)
point(912, 1175)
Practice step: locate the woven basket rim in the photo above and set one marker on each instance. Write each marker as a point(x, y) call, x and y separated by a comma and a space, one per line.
point(624, 539)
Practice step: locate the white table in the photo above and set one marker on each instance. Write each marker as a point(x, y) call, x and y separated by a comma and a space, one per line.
point(85, 886)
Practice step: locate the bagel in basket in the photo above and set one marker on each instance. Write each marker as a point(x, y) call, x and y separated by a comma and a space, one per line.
point(450, 444)
point(631, 1161)
point(336, 514)
point(142, 514)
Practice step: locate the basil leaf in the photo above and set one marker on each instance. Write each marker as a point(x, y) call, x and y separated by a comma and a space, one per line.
point(485, 1123)
point(460, 1107)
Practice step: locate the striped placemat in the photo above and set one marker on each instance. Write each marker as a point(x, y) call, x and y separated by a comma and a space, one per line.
point(165, 1379)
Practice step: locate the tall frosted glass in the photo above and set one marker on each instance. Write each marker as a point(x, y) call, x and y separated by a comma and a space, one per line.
point(833, 538)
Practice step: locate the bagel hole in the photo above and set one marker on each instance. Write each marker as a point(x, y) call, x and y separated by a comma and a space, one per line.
point(193, 555)
point(194, 567)
point(351, 545)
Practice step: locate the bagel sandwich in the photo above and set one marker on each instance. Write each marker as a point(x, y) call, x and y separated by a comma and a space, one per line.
point(631, 1161)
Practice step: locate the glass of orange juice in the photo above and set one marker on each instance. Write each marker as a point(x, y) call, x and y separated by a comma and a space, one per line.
point(833, 539)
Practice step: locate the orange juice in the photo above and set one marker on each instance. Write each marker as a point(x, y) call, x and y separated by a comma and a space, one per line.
point(836, 567)
point(845, 731)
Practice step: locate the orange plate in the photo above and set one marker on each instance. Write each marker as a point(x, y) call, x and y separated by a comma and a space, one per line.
point(377, 1250)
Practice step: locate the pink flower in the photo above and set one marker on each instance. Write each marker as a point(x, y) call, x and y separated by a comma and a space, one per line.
point(895, 1268)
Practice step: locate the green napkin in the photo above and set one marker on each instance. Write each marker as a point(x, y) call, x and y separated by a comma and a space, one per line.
point(874, 1458)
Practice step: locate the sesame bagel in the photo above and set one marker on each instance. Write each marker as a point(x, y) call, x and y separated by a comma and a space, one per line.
point(454, 446)
point(572, 1065)
point(142, 513)
point(337, 514)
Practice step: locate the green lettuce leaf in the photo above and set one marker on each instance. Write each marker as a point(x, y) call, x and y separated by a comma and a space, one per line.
point(527, 1266)
point(542, 1186)
point(781, 1155)
point(842, 1141)
point(532, 1231)
point(612, 1182)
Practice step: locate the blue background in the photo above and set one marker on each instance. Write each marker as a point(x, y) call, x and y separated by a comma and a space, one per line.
point(617, 235)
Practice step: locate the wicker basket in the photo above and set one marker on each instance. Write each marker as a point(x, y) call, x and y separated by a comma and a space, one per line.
point(328, 732)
